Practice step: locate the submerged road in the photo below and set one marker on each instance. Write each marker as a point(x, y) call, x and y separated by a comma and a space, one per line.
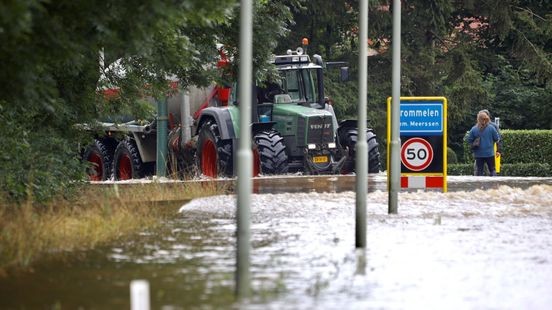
point(331, 183)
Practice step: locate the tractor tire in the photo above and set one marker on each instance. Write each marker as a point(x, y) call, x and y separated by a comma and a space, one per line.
point(100, 155)
point(127, 163)
point(269, 154)
point(214, 155)
point(348, 140)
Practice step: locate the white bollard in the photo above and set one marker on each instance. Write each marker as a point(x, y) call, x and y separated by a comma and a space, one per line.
point(139, 295)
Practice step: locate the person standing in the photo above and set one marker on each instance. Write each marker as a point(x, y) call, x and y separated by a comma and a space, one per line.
point(499, 143)
point(487, 135)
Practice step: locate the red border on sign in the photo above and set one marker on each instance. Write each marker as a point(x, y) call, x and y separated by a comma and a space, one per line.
point(423, 165)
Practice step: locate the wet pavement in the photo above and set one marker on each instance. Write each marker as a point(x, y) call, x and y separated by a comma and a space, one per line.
point(332, 184)
point(487, 243)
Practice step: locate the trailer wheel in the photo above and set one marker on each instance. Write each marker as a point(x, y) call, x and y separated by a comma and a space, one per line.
point(99, 154)
point(348, 140)
point(127, 163)
point(269, 154)
point(214, 155)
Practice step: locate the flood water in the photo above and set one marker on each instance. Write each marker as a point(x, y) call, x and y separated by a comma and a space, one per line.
point(484, 244)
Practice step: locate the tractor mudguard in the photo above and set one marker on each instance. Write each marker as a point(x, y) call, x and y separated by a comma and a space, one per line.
point(348, 123)
point(344, 125)
point(258, 127)
point(222, 118)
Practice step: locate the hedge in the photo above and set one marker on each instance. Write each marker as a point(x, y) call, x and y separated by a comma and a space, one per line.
point(517, 170)
point(522, 146)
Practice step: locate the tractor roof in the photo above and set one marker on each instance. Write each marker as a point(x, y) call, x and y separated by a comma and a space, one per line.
point(294, 62)
point(291, 59)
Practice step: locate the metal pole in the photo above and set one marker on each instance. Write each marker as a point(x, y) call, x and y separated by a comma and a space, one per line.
point(186, 133)
point(395, 164)
point(162, 119)
point(245, 156)
point(361, 145)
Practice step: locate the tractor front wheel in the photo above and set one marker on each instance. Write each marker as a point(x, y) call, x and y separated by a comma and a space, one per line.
point(348, 140)
point(269, 154)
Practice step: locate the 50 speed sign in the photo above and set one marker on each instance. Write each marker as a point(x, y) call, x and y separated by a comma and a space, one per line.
point(416, 154)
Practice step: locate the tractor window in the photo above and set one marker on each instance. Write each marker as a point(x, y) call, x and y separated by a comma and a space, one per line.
point(310, 86)
point(299, 84)
point(291, 84)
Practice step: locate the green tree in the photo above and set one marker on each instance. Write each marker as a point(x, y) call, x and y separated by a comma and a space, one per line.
point(326, 24)
point(50, 71)
point(51, 79)
point(271, 22)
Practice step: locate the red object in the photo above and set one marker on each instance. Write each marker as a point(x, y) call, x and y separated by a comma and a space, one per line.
point(404, 182)
point(125, 168)
point(206, 103)
point(422, 182)
point(416, 154)
point(96, 159)
point(223, 95)
point(209, 159)
point(256, 162)
point(171, 121)
point(223, 62)
point(110, 93)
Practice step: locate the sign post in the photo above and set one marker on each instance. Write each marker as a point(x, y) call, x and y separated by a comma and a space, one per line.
point(423, 130)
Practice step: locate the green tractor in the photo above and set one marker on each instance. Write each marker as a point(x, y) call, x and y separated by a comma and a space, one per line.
point(294, 128)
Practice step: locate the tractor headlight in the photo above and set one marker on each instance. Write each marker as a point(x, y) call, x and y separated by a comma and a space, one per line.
point(311, 146)
point(331, 145)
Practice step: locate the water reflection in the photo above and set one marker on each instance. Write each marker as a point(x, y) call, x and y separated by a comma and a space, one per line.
point(492, 249)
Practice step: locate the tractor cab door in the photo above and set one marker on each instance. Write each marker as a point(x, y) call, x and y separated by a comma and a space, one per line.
point(302, 86)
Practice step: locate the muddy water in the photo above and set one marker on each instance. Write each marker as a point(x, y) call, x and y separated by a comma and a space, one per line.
point(492, 249)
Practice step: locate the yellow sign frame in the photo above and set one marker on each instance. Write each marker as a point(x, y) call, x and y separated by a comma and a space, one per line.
point(429, 98)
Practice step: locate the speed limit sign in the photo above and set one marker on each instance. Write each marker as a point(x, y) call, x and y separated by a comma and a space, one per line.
point(416, 154)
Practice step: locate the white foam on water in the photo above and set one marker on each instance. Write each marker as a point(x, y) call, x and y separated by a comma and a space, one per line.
point(492, 249)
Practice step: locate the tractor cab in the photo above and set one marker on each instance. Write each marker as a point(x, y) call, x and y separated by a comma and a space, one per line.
point(301, 79)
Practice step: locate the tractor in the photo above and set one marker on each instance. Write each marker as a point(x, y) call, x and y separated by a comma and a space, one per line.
point(294, 128)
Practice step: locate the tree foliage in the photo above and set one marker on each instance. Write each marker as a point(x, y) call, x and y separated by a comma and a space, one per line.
point(271, 22)
point(50, 74)
point(58, 56)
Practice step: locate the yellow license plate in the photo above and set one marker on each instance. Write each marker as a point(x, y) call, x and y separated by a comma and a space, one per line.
point(319, 159)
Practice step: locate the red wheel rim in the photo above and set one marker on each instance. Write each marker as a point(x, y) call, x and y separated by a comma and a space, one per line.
point(256, 162)
point(96, 172)
point(209, 159)
point(125, 168)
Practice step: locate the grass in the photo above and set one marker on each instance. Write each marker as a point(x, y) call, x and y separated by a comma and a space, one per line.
point(97, 215)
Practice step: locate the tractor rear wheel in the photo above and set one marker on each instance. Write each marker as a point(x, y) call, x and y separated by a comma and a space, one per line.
point(269, 154)
point(348, 140)
point(214, 155)
point(127, 163)
point(99, 154)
